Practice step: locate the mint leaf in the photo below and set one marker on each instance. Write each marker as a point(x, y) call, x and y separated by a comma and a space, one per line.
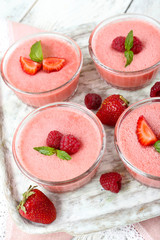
point(129, 41)
point(63, 155)
point(128, 45)
point(157, 146)
point(36, 53)
point(129, 57)
point(48, 151)
point(45, 150)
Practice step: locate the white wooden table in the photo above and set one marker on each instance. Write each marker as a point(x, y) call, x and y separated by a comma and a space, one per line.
point(77, 18)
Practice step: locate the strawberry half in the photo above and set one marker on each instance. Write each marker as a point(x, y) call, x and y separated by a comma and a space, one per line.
point(29, 66)
point(52, 64)
point(144, 132)
point(37, 207)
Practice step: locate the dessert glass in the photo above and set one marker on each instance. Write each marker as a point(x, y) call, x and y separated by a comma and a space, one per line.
point(60, 93)
point(78, 181)
point(138, 174)
point(129, 80)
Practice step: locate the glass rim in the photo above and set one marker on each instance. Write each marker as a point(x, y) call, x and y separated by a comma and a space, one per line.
point(111, 19)
point(79, 177)
point(52, 34)
point(116, 134)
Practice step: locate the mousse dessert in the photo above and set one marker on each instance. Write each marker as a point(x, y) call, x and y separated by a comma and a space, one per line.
point(137, 139)
point(126, 50)
point(72, 160)
point(42, 68)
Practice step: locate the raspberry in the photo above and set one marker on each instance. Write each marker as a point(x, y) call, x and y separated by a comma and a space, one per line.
point(111, 181)
point(92, 101)
point(119, 44)
point(54, 138)
point(69, 144)
point(137, 45)
point(155, 90)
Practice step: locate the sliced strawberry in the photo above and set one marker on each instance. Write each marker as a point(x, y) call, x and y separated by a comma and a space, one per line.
point(144, 132)
point(51, 64)
point(29, 66)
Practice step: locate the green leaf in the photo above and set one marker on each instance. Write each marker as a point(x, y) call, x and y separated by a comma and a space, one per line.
point(36, 53)
point(129, 57)
point(45, 150)
point(50, 151)
point(129, 41)
point(157, 146)
point(63, 155)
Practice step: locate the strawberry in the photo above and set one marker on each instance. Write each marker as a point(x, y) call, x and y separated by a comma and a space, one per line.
point(37, 207)
point(144, 132)
point(51, 64)
point(29, 66)
point(111, 109)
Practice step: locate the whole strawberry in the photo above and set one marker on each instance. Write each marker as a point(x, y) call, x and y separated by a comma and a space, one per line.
point(37, 207)
point(111, 108)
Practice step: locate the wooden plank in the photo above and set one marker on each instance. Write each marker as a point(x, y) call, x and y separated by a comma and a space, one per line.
point(147, 7)
point(15, 10)
point(57, 15)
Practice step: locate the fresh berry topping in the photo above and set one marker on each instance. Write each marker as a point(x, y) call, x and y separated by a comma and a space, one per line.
point(111, 181)
point(119, 44)
point(111, 109)
point(69, 144)
point(144, 132)
point(92, 101)
point(51, 64)
point(37, 207)
point(29, 66)
point(155, 90)
point(137, 45)
point(53, 139)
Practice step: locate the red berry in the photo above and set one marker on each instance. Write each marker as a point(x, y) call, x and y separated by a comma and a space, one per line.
point(92, 101)
point(155, 90)
point(111, 109)
point(144, 132)
point(51, 64)
point(54, 139)
point(37, 207)
point(111, 181)
point(69, 144)
point(29, 66)
point(119, 44)
point(137, 45)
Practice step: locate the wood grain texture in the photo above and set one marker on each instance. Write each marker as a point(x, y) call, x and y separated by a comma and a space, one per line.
point(53, 15)
point(148, 7)
point(15, 10)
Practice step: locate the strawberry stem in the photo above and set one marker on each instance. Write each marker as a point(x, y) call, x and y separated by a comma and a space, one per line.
point(26, 195)
point(124, 100)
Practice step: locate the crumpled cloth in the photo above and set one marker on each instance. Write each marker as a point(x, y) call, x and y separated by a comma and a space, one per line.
point(149, 229)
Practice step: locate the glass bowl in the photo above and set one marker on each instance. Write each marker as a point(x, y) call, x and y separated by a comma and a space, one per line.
point(129, 80)
point(60, 92)
point(140, 161)
point(77, 119)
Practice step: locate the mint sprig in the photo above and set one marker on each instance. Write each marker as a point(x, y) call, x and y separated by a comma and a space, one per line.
point(157, 146)
point(128, 45)
point(48, 151)
point(36, 53)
